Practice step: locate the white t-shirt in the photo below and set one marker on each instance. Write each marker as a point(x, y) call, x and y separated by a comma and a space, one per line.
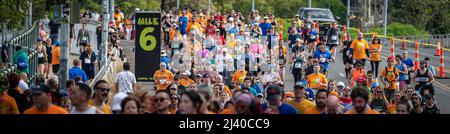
point(23, 85)
point(271, 77)
point(221, 62)
point(126, 80)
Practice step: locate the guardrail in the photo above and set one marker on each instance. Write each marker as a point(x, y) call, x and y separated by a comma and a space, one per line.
point(26, 40)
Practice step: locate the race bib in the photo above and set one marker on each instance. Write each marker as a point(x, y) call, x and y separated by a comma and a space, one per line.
point(255, 34)
point(334, 37)
point(175, 45)
point(422, 79)
point(323, 59)
point(162, 80)
point(313, 36)
point(208, 45)
point(167, 29)
point(40, 55)
point(87, 61)
point(280, 61)
point(297, 65)
point(84, 38)
point(347, 53)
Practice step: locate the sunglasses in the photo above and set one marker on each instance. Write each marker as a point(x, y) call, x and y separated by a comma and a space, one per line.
point(259, 96)
point(174, 98)
point(104, 89)
point(379, 92)
point(158, 100)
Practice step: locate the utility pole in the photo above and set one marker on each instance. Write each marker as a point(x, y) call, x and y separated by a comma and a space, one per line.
point(111, 4)
point(64, 59)
point(253, 5)
point(348, 13)
point(104, 44)
point(385, 17)
point(309, 3)
point(178, 4)
point(209, 7)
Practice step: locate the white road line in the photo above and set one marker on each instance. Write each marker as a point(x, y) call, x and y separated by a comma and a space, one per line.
point(341, 74)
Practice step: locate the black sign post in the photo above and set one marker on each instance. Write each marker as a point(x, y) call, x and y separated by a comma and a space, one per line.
point(148, 45)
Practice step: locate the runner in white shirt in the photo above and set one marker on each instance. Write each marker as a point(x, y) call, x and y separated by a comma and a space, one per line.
point(125, 80)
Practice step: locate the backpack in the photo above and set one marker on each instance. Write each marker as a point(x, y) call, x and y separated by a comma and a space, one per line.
point(393, 72)
point(21, 64)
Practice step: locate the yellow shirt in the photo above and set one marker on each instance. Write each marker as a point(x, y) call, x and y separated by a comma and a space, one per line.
point(313, 110)
point(359, 49)
point(392, 108)
point(118, 17)
point(302, 106)
point(53, 109)
point(106, 108)
point(374, 52)
point(390, 75)
point(314, 79)
point(162, 79)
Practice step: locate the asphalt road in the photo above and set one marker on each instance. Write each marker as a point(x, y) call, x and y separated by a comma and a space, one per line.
point(442, 86)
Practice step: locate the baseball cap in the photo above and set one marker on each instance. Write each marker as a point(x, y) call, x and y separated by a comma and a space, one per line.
point(298, 40)
point(259, 94)
point(273, 92)
point(186, 72)
point(198, 76)
point(341, 84)
point(205, 75)
point(173, 86)
point(299, 85)
point(41, 88)
point(405, 52)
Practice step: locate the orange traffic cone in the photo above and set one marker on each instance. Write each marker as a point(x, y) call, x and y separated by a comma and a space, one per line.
point(438, 50)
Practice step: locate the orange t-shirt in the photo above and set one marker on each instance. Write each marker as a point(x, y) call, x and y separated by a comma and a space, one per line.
point(356, 73)
point(368, 111)
point(237, 75)
point(313, 110)
point(390, 74)
point(56, 53)
point(359, 49)
point(375, 52)
point(186, 82)
point(53, 109)
point(227, 89)
point(162, 79)
point(228, 111)
point(8, 104)
point(314, 79)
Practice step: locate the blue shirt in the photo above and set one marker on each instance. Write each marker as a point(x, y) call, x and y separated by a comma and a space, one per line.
point(310, 93)
point(182, 27)
point(284, 108)
point(257, 87)
point(166, 60)
point(408, 62)
point(76, 71)
point(325, 54)
point(265, 28)
point(401, 68)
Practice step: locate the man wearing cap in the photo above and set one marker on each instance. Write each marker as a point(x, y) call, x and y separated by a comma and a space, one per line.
point(265, 26)
point(360, 49)
point(274, 102)
point(324, 57)
point(42, 104)
point(424, 78)
point(299, 102)
point(224, 59)
point(185, 80)
point(164, 58)
point(416, 100)
point(162, 77)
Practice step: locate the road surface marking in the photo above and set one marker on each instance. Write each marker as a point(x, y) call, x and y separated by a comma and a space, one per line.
point(341, 74)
